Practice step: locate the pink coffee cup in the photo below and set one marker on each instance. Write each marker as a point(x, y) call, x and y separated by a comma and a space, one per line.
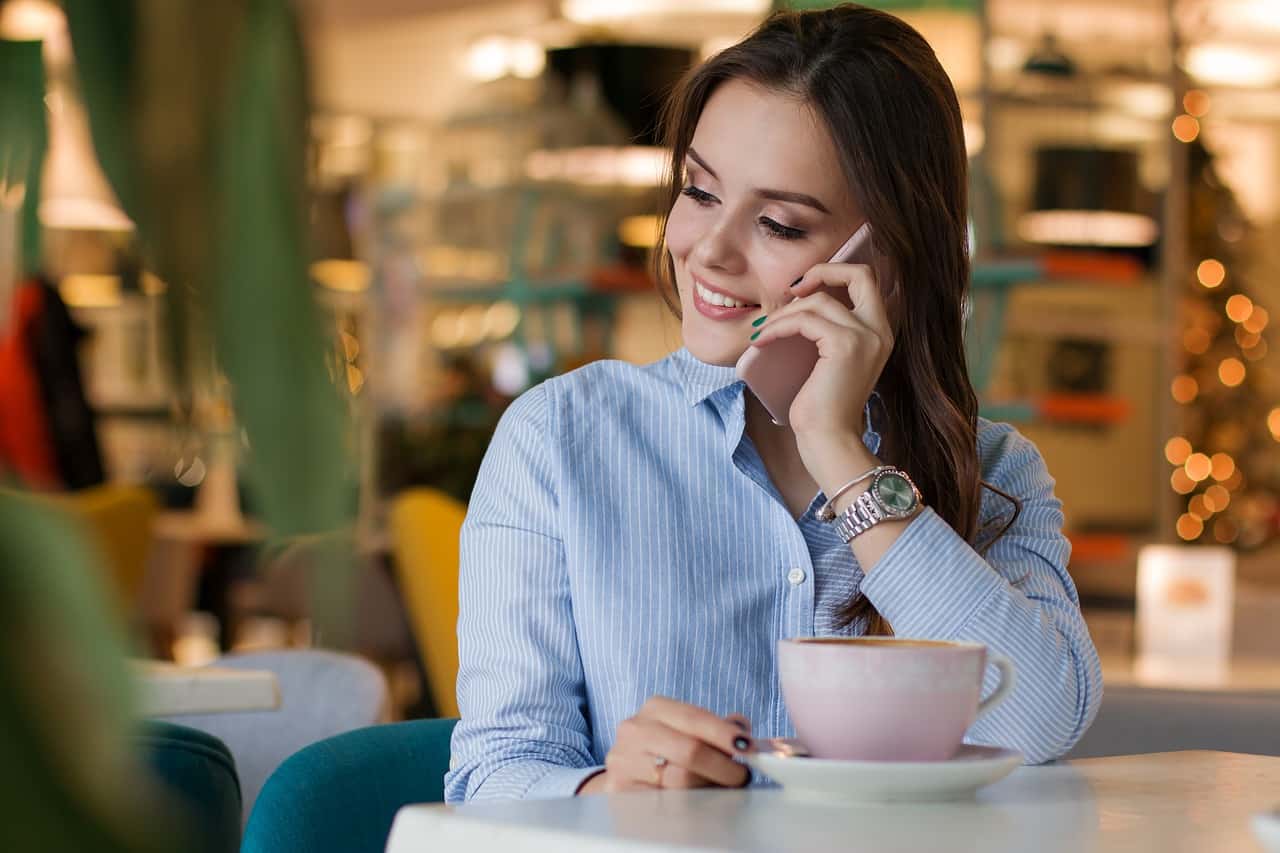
point(885, 698)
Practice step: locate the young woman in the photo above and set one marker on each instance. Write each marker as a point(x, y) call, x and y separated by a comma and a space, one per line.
point(640, 538)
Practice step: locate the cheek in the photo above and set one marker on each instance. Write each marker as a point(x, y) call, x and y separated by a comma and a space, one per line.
point(682, 230)
point(777, 269)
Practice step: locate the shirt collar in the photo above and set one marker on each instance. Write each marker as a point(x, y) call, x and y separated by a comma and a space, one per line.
point(701, 380)
point(704, 382)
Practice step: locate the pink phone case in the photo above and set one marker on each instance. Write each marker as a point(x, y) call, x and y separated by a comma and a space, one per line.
point(776, 372)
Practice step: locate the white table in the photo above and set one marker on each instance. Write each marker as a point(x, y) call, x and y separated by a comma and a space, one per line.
point(166, 689)
point(1193, 801)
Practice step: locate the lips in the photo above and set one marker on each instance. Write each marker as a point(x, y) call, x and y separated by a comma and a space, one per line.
point(718, 305)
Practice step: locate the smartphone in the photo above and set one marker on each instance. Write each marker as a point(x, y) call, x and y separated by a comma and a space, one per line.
point(777, 371)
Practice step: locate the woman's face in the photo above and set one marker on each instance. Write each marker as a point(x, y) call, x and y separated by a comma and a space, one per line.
point(764, 200)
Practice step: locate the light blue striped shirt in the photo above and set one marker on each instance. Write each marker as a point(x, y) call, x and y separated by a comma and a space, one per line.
point(624, 540)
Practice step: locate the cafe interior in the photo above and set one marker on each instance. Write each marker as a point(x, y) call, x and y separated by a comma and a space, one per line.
point(272, 272)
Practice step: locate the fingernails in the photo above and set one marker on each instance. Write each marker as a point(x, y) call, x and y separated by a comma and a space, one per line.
point(742, 743)
point(797, 281)
point(757, 321)
point(756, 335)
point(742, 724)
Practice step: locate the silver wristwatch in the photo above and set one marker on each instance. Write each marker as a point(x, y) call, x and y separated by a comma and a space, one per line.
point(891, 496)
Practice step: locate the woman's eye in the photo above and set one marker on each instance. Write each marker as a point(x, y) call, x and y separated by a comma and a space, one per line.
point(777, 229)
point(699, 196)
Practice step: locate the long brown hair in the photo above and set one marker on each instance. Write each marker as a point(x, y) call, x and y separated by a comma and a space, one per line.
point(895, 120)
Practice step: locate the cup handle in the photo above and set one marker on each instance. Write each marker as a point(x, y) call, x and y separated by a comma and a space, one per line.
point(1004, 688)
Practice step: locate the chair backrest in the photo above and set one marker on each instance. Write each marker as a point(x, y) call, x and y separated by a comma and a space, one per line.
point(343, 793)
point(322, 694)
point(425, 525)
point(1138, 720)
point(119, 519)
point(199, 774)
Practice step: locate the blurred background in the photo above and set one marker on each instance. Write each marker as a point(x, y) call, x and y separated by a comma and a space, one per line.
point(481, 189)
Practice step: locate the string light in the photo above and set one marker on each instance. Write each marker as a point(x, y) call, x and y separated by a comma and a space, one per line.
point(1239, 307)
point(1185, 389)
point(1257, 352)
point(1199, 508)
point(1222, 466)
point(1231, 371)
point(1246, 338)
point(1235, 481)
point(1190, 527)
point(1181, 483)
point(1273, 423)
point(1196, 102)
point(1196, 340)
point(1217, 498)
point(1211, 273)
point(1257, 320)
point(1198, 467)
point(1186, 128)
point(1176, 450)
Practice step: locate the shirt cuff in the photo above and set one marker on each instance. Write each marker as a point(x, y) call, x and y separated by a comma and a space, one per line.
point(930, 582)
point(560, 782)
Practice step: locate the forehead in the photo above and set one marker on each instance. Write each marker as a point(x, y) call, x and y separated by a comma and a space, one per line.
point(759, 137)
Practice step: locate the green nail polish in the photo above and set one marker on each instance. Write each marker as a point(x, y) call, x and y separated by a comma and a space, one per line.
point(760, 319)
point(756, 335)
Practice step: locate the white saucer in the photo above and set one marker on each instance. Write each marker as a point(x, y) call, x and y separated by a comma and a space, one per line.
point(887, 781)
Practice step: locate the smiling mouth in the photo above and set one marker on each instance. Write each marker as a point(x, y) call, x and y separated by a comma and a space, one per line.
point(719, 300)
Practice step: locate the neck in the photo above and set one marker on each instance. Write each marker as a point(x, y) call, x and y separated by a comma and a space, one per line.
point(777, 448)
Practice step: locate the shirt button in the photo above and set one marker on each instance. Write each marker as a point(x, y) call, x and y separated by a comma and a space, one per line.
point(796, 576)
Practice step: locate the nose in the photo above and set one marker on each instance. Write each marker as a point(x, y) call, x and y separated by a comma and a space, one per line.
point(717, 249)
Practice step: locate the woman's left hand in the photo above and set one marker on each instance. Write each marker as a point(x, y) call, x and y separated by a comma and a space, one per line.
point(853, 348)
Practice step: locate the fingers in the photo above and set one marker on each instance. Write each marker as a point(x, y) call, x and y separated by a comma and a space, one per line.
point(696, 747)
point(822, 303)
point(632, 770)
point(834, 341)
point(857, 280)
point(695, 721)
point(692, 762)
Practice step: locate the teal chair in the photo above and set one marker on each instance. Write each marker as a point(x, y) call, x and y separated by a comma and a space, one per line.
point(197, 771)
point(341, 794)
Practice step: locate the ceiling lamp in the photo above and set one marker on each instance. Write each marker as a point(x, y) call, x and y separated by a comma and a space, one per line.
point(1233, 65)
point(1087, 197)
point(1049, 60)
point(74, 192)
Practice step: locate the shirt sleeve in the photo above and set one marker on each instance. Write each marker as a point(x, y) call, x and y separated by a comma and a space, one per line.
point(1018, 600)
point(521, 689)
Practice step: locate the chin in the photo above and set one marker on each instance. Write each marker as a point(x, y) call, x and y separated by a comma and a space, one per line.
point(710, 350)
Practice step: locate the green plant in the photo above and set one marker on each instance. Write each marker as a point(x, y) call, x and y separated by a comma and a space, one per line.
point(199, 114)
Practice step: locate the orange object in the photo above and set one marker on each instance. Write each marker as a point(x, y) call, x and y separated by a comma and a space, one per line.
point(1099, 547)
point(1084, 408)
point(425, 525)
point(620, 278)
point(1095, 266)
point(26, 442)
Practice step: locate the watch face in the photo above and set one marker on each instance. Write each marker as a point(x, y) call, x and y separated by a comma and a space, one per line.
point(895, 493)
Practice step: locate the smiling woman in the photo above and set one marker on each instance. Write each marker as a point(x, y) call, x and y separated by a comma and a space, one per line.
point(641, 538)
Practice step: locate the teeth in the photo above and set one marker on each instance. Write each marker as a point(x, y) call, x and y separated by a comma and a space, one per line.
point(714, 298)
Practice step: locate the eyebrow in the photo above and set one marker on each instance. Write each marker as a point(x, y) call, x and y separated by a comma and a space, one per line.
point(776, 195)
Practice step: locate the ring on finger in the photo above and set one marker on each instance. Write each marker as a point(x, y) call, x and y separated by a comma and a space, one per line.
point(659, 764)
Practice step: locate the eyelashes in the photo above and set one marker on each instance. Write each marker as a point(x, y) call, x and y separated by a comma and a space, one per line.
point(785, 232)
point(702, 198)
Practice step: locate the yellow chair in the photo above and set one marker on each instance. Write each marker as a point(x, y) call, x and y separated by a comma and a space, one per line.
point(425, 524)
point(119, 519)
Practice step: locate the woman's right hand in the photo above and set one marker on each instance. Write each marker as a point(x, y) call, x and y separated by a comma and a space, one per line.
point(698, 748)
